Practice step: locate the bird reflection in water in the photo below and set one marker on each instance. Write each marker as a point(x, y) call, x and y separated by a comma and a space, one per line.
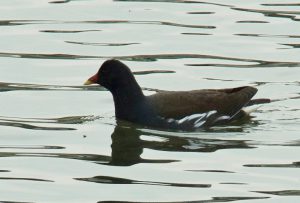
point(129, 141)
point(128, 145)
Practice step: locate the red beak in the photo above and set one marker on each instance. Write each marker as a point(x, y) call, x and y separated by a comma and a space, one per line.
point(92, 80)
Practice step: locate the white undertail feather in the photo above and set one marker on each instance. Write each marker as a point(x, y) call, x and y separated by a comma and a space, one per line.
point(250, 109)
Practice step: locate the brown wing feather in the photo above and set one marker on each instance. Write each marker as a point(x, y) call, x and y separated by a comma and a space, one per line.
point(177, 104)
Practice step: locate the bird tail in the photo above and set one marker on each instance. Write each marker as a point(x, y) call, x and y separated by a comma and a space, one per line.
point(265, 100)
point(258, 101)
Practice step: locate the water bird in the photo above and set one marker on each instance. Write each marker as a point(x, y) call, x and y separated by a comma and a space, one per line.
point(171, 109)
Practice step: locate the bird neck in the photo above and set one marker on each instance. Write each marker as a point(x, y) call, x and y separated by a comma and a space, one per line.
point(128, 102)
point(128, 93)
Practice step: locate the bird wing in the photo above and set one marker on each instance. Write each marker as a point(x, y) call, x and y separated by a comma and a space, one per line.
point(177, 104)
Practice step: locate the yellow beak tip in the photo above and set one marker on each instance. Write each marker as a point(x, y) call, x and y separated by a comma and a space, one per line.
point(88, 82)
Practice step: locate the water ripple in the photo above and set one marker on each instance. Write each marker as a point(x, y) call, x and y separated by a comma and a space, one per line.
point(177, 1)
point(252, 21)
point(254, 63)
point(27, 22)
point(146, 23)
point(60, 1)
point(272, 13)
point(44, 56)
point(94, 158)
point(292, 45)
point(68, 31)
point(282, 192)
point(211, 171)
point(128, 144)
point(292, 165)
point(258, 63)
point(30, 147)
point(269, 35)
point(14, 202)
point(195, 33)
point(102, 44)
point(27, 179)
point(163, 23)
point(5, 87)
point(281, 4)
point(213, 200)
point(116, 180)
point(33, 127)
point(30, 123)
point(201, 13)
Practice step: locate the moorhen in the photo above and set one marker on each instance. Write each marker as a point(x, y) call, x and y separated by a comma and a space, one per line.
point(171, 109)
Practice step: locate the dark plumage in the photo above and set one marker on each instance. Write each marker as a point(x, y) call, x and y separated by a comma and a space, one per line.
point(154, 110)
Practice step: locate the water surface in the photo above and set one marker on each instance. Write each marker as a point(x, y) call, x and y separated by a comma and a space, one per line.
point(60, 141)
